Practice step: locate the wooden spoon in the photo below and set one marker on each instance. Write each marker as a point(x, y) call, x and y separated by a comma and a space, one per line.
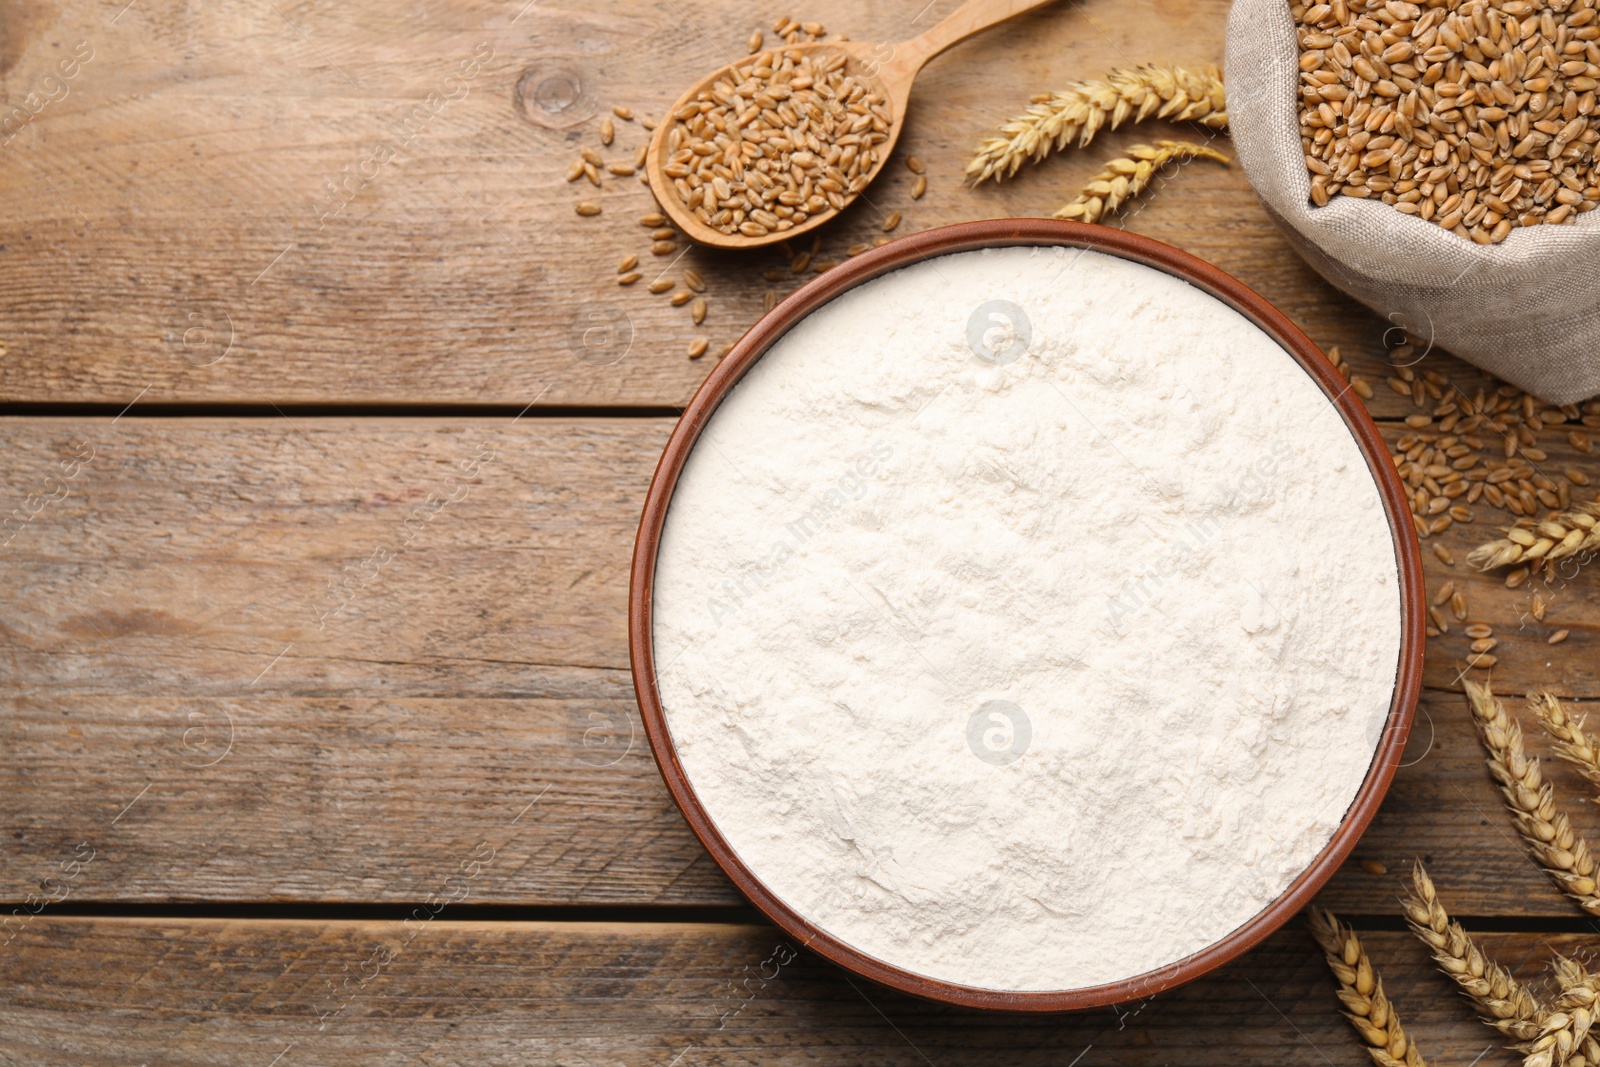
point(891, 76)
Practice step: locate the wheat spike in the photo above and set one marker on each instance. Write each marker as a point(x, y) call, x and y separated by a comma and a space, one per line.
point(1545, 829)
point(1564, 1030)
point(1569, 974)
point(1556, 538)
point(1573, 743)
point(1361, 992)
point(1085, 108)
point(1505, 1003)
point(1123, 179)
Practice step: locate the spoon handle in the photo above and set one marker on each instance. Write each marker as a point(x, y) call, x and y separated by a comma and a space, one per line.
point(963, 22)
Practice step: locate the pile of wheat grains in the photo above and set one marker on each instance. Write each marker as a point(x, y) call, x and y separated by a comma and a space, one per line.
point(781, 137)
point(1473, 115)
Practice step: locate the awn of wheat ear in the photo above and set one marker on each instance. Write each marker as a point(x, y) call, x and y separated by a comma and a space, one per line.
point(1123, 179)
point(1082, 109)
point(1544, 828)
point(1361, 991)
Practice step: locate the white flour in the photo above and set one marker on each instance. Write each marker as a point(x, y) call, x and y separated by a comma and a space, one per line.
point(1026, 675)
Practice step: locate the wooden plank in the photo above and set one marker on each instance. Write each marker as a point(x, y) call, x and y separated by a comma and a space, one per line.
point(196, 992)
point(170, 698)
point(182, 689)
point(170, 233)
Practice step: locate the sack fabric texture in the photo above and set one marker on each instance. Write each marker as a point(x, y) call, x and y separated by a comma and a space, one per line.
point(1527, 309)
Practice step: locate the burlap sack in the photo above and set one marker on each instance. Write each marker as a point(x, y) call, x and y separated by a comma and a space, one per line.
point(1527, 309)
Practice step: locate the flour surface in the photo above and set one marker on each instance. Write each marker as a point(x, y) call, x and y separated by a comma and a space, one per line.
point(1026, 673)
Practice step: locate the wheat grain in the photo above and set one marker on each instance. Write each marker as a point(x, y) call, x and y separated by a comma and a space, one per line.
point(1361, 991)
point(1556, 538)
point(1572, 742)
point(1545, 829)
point(1082, 109)
point(1125, 178)
point(1505, 1004)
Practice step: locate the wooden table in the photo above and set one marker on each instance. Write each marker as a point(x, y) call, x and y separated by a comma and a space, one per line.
point(316, 749)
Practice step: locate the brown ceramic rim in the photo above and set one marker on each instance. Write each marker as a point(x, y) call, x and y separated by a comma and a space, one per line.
point(997, 233)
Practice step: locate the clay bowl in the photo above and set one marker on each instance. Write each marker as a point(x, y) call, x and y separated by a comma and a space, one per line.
point(1001, 233)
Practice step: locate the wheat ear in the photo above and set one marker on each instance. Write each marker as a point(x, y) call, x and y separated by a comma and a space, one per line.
point(1546, 830)
point(1361, 992)
point(1085, 108)
point(1125, 178)
point(1504, 1002)
point(1564, 1031)
point(1555, 538)
point(1573, 743)
point(1569, 974)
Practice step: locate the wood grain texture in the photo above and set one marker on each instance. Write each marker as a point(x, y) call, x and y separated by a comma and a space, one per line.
point(168, 696)
point(241, 202)
point(195, 992)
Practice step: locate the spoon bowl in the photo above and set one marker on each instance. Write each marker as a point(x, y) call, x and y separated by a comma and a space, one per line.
point(888, 69)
